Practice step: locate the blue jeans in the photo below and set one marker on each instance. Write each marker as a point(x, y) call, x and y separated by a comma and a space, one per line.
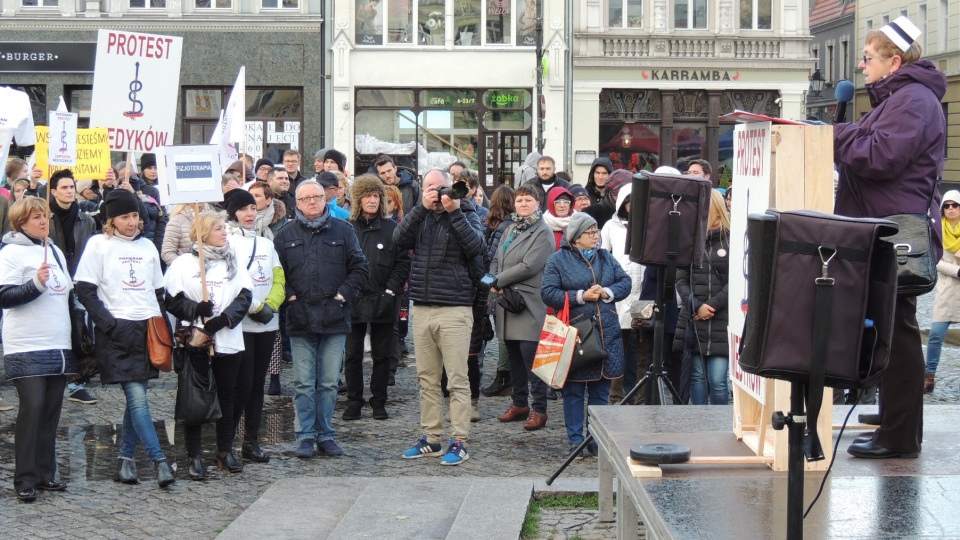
point(317, 359)
point(598, 393)
point(715, 375)
point(937, 332)
point(137, 423)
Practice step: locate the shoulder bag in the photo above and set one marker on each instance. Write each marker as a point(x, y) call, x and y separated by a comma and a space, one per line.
point(197, 401)
point(159, 343)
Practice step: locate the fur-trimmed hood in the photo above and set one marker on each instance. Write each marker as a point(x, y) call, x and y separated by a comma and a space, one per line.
point(364, 185)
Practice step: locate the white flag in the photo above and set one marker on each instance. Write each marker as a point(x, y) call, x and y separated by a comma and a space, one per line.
point(62, 106)
point(236, 107)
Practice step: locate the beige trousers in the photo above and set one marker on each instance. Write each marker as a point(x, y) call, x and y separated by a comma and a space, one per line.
point(441, 340)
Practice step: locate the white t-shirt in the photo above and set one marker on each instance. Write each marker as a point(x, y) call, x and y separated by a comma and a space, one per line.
point(261, 274)
point(44, 323)
point(17, 115)
point(183, 275)
point(125, 273)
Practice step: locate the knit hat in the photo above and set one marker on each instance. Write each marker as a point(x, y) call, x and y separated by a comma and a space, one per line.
point(83, 184)
point(578, 191)
point(364, 185)
point(260, 162)
point(578, 224)
point(327, 179)
point(666, 169)
point(119, 202)
point(236, 199)
point(618, 179)
point(148, 160)
point(338, 157)
point(55, 177)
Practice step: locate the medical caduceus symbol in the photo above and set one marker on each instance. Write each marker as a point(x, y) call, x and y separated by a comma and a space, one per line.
point(136, 106)
point(63, 138)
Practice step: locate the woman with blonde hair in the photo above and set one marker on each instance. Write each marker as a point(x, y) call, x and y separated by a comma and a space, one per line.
point(229, 293)
point(394, 203)
point(703, 296)
point(120, 284)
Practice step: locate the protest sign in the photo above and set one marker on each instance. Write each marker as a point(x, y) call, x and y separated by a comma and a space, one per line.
point(140, 115)
point(63, 151)
point(93, 153)
point(189, 174)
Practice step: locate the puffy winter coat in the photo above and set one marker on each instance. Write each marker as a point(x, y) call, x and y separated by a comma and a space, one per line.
point(568, 272)
point(320, 259)
point(519, 267)
point(708, 285)
point(389, 269)
point(446, 249)
point(613, 238)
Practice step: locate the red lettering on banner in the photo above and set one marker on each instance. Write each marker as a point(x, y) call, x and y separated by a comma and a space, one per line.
point(750, 156)
point(134, 45)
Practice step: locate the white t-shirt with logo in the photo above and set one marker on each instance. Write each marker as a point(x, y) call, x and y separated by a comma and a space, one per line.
point(125, 273)
point(17, 115)
point(183, 275)
point(265, 259)
point(43, 323)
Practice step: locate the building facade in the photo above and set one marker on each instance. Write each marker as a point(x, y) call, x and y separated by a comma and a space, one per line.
point(833, 24)
point(939, 20)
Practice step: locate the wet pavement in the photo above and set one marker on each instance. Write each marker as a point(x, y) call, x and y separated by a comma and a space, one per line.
point(96, 507)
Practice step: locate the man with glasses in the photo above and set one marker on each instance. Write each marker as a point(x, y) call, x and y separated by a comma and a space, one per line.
point(291, 164)
point(325, 270)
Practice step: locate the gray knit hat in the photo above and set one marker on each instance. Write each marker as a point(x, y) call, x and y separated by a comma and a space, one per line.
point(578, 224)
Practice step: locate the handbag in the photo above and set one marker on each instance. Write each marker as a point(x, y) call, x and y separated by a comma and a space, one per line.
point(914, 244)
point(159, 343)
point(589, 349)
point(555, 349)
point(193, 337)
point(641, 311)
point(512, 301)
point(197, 401)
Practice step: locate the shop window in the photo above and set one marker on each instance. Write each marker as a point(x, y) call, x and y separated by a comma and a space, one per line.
point(148, 4)
point(630, 146)
point(399, 22)
point(507, 98)
point(431, 15)
point(40, 3)
point(498, 22)
point(369, 21)
point(527, 22)
point(467, 19)
point(625, 14)
point(213, 4)
point(423, 22)
point(279, 4)
point(78, 100)
point(755, 14)
point(385, 98)
point(448, 98)
point(690, 14)
point(274, 103)
point(386, 132)
point(690, 141)
point(203, 102)
point(507, 120)
point(443, 132)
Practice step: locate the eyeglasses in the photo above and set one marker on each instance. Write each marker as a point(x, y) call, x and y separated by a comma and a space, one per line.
point(312, 198)
point(951, 205)
point(866, 59)
point(562, 201)
point(592, 233)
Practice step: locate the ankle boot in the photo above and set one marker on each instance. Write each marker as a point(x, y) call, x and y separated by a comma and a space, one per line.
point(251, 450)
point(197, 471)
point(499, 386)
point(475, 410)
point(164, 474)
point(446, 409)
point(928, 382)
point(274, 389)
point(126, 471)
point(228, 461)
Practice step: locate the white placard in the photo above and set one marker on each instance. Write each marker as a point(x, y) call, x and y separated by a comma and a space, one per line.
point(751, 194)
point(62, 149)
point(135, 89)
point(189, 174)
point(6, 137)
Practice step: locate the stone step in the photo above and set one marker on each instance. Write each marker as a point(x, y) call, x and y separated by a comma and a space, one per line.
point(386, 508)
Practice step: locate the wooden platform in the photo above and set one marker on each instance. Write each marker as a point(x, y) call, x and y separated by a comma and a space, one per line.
point(894, 498)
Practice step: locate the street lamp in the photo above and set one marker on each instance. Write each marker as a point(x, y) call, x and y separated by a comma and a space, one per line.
point(816, 83)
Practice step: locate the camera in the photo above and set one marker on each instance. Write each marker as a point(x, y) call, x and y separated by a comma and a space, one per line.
point(458, 190)
point(489, 280)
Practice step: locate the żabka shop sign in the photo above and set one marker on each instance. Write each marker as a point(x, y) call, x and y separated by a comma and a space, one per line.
point(135, 89)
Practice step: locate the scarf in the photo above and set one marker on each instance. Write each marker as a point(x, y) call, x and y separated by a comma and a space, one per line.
point(263, 222)
point(316, 224)
point(558, 224)
point(524, 223)
point(214, 254)
point(67, 218)
point(951, 236)
point(234, 227)
point(588, 253)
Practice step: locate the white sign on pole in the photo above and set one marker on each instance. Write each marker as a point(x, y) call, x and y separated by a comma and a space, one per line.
point(751, 194)
point(62, 149)
point(135, 89)
point(230, 127)
point(189, 174)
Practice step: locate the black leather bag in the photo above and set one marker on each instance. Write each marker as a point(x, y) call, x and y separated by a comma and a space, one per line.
point(916, 256)
point(512, 301)
point(589, 349)
point(197, 402)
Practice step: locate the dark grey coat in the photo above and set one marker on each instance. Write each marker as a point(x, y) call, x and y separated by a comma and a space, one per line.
point(520, 267)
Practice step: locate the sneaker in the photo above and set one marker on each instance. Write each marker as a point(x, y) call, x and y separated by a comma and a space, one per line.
point(329, 448)
point(456, 454)
point(380, 411)
point(306, 450)
point(352, 411)
point(593, 449)
point(81, 395)
point(423, 449)
point(580, 455)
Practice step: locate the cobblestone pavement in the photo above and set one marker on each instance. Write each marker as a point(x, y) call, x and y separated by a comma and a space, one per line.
point(96, 507)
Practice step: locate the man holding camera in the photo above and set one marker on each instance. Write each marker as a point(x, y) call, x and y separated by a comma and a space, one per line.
point(445, 241)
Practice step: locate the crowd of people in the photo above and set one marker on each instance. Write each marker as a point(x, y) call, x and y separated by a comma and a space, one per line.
point(302, 269)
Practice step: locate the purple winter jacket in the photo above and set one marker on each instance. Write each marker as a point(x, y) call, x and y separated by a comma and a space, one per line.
point(894, 155)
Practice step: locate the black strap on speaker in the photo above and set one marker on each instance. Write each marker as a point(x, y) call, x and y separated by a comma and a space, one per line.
point(673, 242)
point(821, 340)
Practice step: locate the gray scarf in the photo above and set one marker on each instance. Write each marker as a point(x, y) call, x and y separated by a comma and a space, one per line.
point(213, 254)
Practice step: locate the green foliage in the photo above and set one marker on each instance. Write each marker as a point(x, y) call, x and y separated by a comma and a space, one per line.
point(531, 524)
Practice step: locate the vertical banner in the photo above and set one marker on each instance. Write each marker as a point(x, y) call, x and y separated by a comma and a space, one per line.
point(751, 194)
point(135, 86)
point(62, 149)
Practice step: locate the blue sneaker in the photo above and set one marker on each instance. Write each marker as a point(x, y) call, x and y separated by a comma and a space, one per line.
point(456, 454)
point(306, 450)
point(422, 449)
point(329, 448)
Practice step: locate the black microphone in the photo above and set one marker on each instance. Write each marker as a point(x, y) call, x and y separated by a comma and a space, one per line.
point(843, 95)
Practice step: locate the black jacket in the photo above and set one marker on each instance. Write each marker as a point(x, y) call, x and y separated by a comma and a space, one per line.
point(447, 249)
point(318, 262)
point(596, 196)
point(708, 285)
point(389, 269)
point(83, 229)
point(538, 186)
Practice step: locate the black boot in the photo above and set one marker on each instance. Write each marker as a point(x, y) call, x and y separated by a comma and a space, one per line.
point(228, 461)
point(500, 386)
point(126, 471)
point(274, 389)
point(251, 450)
point(164, 474)
point(197, 471)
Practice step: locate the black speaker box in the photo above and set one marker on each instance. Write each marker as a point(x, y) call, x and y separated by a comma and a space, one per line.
point(653, 199)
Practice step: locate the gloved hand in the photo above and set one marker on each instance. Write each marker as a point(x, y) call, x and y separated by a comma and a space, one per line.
point(204, 309)
point(263, 316)
point(216, 324)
